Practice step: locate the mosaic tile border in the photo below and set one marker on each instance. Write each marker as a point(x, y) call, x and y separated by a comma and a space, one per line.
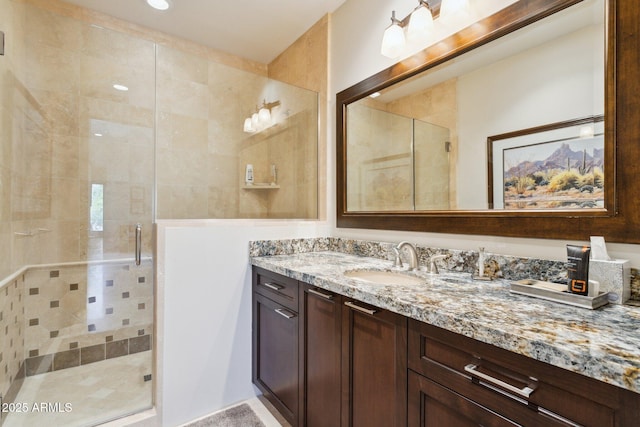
point(463, 261)
point(83, 356)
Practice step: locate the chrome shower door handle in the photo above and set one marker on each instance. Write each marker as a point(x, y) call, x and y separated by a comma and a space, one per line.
point(138, 244)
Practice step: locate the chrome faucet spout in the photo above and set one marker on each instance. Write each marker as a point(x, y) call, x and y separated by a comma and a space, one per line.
point(413, 254)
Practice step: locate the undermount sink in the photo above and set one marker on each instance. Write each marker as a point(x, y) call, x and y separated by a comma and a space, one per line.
point(385, 277)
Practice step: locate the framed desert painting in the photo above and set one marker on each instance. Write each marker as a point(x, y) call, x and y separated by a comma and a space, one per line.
point(555, 166)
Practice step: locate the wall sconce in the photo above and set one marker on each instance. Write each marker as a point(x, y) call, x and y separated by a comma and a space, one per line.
point(419, 24)
point(262, 118)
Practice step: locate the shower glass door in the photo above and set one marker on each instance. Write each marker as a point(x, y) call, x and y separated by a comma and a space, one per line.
point(82, 161)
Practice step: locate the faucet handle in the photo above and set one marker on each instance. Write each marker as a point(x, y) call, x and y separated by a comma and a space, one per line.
point(433, 268)
point(397, 262)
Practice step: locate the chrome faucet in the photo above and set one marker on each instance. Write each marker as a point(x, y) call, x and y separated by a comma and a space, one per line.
point(413, 255)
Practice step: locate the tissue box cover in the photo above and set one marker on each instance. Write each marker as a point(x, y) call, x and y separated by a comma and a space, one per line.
point(614, 277)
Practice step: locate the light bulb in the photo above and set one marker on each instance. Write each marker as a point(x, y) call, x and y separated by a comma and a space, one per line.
point(393, 40)
point(159, 4)
point(255, 122)
point(420, 23)
point(264, 117)
point(248, 127)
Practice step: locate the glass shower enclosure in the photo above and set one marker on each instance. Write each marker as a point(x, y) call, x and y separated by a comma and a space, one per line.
point(76, 298)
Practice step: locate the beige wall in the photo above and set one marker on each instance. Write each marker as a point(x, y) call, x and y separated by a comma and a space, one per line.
point(306, 64)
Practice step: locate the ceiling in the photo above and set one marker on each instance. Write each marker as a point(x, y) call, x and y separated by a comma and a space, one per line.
point(254, 29)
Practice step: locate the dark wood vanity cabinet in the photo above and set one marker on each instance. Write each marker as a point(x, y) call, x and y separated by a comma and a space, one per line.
point(324, 360)
point(455, 380)
point(322, 363)
point(374, 367)
point(320, 350)
point(275, 325)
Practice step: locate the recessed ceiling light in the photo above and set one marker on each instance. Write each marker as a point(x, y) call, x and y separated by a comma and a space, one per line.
point(97, 134)
point(120, 87)
point(375, 95)
point(159, 4)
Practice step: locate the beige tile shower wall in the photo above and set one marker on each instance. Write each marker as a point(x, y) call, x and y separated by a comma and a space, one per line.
point(201, 108)
point(305, 64)
point(11, 332)
point(438, 105)
point(71, 52)
point(61, 100)
point(11, 98)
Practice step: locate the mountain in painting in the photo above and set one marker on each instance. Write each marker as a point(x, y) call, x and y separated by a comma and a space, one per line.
point(558, 160)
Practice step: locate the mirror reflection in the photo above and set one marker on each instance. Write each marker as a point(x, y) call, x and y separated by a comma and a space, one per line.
point(421, 144)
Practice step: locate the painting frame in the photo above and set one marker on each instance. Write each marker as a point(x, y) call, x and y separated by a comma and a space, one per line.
point(520, 177)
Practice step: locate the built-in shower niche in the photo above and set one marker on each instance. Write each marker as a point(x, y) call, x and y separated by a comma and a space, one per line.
point(289, 147)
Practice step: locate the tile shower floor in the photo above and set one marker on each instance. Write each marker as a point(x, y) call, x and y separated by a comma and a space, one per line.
point(97, 392)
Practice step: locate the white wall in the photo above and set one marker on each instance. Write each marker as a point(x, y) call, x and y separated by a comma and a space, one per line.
point(556, 81)
point(203, 321)
point(356, 33)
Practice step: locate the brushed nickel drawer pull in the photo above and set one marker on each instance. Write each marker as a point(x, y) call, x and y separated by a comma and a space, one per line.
point(522, 392)
point(285, 313)
point(273, 286)
point(320, 294)
point(361, 309)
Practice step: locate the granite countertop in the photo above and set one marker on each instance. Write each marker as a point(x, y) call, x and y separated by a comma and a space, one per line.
point(603, 344)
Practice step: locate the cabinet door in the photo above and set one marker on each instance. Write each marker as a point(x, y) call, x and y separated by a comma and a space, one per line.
point(431, 405)
point(275, 358)
point(374, 367)
point(321, 351)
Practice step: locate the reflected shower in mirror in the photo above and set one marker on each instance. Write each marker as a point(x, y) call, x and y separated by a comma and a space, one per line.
point(396, 162)
point(547, 72)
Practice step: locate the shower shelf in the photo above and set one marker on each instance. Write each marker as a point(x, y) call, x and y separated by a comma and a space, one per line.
point(260, 186)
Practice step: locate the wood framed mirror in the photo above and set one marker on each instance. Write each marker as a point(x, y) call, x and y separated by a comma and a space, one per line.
point(617, 218)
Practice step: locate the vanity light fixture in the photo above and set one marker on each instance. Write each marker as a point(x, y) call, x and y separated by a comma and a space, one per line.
point(262, 118)
point(419, 24)
point(159, 4)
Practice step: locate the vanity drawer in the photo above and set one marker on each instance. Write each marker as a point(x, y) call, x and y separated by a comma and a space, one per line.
point(276, 287)
point(497, 378)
